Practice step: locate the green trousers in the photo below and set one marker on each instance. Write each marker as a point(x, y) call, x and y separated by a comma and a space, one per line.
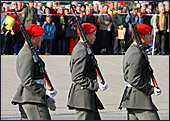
point(84, 114)
point(138, 114)
point(34, 112)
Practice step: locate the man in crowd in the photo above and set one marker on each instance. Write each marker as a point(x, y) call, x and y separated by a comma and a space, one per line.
point(88, 18)
point(167, 26)
point(111, 8)
point(137, 18)
point(119, 24)
point(146, 19)
point(29, 16)
point(160, 26)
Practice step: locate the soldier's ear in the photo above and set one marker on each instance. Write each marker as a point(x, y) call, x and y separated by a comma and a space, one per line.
point(33, 38)
point(141, 36)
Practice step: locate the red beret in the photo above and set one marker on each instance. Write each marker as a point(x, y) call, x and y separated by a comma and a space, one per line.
point(88, 28)
point(143, 29)
point(34, 30)
point(30, 1)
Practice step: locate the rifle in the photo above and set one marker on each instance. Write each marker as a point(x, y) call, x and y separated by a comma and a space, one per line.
point(88, 47)
point(35, 55)
point(141, 48)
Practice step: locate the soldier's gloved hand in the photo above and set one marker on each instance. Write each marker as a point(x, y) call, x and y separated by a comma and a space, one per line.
point(103, 87)
point(51, 93)
point(51, 103)
point(157, 91)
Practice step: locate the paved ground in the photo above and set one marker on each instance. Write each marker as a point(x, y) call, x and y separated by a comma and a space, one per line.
point(58, 71)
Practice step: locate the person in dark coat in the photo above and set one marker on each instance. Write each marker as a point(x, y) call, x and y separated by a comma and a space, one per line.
point(67, 24)
point(60, 31)
point(146, 19)
point(119, 23)
point(96, 11)
point(137, 18)
point(28, 16)
point(104, 34)
point(88, 18)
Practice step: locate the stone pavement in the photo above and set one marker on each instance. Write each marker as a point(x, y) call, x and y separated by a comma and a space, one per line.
point(58, 70)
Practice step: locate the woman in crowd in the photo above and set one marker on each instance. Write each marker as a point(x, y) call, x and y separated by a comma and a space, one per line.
point(104, 34)
point(61, 31)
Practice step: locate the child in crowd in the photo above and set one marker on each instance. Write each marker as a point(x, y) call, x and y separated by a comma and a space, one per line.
point(48, 36)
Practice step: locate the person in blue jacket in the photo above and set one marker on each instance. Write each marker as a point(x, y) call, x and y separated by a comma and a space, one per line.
point(48, 36)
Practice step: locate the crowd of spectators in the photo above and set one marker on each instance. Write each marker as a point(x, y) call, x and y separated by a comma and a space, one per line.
point(112, 20)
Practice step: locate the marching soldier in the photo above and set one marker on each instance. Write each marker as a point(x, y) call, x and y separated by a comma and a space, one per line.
point(137, 95)
point(32, 97)
point(82, 96)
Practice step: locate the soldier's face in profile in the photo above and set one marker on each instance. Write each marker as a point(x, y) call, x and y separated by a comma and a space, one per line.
point(36, 40)
point(146, 39)
point(91, 37)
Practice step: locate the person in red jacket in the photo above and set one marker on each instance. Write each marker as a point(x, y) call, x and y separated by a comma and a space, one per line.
point(12, 39)
point(73, 41)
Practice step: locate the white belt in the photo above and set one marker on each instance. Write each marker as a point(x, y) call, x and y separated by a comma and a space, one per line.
point(128, 85)
point(40, 81)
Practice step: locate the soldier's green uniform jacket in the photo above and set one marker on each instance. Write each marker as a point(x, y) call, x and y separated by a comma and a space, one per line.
point(29, 16)
point(28, 91)
point(136, 74)
point(82, 93)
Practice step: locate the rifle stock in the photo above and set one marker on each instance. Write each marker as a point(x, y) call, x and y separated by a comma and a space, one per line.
point(88, 47)
point(141, 48)
point(36, 57)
